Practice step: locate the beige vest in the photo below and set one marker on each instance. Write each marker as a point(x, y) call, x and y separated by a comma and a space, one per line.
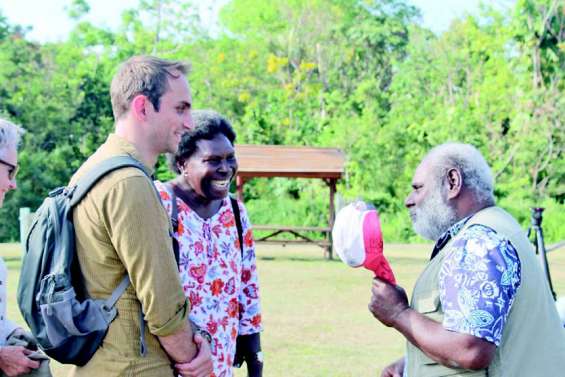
point(533, 340)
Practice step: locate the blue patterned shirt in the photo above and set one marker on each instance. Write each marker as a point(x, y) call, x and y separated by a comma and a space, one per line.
point(478, 282)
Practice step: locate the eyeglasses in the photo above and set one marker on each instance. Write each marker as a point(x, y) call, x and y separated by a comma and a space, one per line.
point(12, 171)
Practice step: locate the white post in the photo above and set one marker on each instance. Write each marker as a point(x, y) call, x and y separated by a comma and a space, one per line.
point(25, 222)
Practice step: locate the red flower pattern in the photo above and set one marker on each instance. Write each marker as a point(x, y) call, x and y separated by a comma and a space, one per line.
point(216, 287)
point(245, 276)
point(198, 272)
point(256, 320)
point(212, 326)
point(195, 299)
point(217, 230)
point(248, 238)
point(233, 308)
point(227, 219)
point(198, 247)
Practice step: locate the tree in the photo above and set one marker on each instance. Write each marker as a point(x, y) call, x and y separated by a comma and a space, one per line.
point(360, 75)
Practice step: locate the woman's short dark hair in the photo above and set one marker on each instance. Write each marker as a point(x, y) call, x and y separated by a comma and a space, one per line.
point(207, 125)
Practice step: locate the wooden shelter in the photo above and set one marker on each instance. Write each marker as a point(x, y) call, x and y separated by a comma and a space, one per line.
point(292, 162)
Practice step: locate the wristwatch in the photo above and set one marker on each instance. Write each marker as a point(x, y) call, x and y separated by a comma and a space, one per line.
point(203, 333)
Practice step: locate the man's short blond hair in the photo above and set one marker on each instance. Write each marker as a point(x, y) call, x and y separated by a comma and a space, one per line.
point(145, 75)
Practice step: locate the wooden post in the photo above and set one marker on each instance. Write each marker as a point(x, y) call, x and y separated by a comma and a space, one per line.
point(331, 183)
point(239, 182)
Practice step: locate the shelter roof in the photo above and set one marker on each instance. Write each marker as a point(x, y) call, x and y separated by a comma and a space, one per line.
point(287, 161)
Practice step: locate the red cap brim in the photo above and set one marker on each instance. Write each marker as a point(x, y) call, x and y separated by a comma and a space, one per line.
point(373, 242)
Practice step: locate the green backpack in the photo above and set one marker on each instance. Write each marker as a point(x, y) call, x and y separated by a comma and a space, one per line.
point(68, 326)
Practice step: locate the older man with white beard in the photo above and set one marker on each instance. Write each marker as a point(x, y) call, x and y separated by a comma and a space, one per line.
point(482, 306)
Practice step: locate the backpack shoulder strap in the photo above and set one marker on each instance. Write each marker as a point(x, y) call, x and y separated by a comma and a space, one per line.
point(236, 214)
point(86, 182)
point(174, 219)
point(120, 289)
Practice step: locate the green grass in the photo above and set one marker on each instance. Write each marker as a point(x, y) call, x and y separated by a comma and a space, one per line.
point(315, 311)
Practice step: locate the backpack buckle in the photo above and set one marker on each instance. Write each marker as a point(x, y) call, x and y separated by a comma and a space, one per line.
point(69, 191)
point(56, 192)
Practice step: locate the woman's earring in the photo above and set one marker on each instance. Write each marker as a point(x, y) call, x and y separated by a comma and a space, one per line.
point(181, 169)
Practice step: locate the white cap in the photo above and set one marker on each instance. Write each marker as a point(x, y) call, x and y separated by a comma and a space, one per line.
point(347, 234)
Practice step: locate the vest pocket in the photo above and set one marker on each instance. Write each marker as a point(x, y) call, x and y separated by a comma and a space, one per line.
point(438, 370)
point(431, 368)
point(427, 302)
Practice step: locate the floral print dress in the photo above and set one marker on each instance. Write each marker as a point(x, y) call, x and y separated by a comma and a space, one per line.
point(220, 283)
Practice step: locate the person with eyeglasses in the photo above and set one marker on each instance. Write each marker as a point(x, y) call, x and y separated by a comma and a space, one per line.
point(12, 170)
point(18, 349)
point(9, 138)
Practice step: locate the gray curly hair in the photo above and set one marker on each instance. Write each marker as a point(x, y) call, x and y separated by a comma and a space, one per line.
point(10, 134)
point(476, 174)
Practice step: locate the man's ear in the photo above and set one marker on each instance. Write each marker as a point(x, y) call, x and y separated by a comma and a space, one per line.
point(454, 183)
point(139, 107)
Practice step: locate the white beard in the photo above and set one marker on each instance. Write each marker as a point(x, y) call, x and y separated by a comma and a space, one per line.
point(433, 216)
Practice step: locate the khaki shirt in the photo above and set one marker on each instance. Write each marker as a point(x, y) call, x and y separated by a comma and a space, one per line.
point(121, 227)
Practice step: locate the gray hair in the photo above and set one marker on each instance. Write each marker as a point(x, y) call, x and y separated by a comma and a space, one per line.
point(476, 174)
point(10, 134)
point(146, 75)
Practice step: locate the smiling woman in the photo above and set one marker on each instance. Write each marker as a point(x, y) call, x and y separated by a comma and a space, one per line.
point(217, 270)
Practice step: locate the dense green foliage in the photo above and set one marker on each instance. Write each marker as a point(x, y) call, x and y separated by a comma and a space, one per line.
point(359, 75)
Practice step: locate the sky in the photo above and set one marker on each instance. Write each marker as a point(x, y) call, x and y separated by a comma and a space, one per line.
point(50, 22)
